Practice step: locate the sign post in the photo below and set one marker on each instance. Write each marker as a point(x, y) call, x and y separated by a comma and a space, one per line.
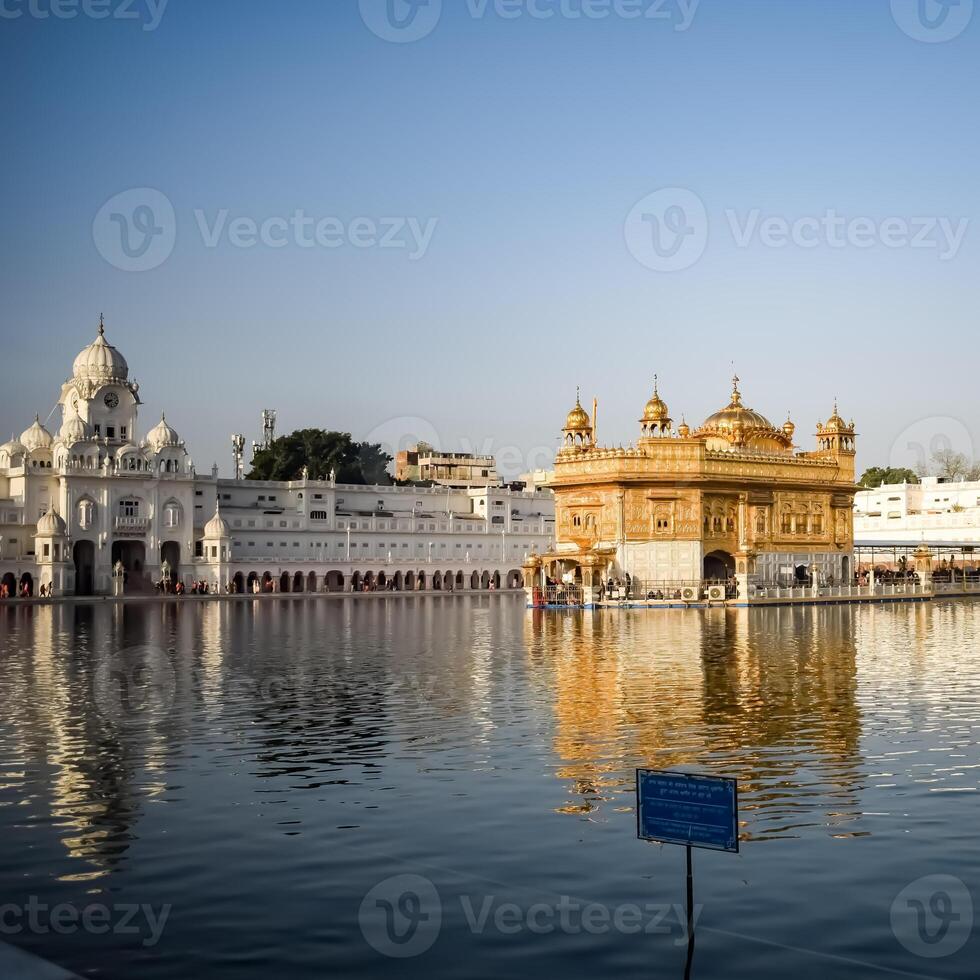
point(688, 809)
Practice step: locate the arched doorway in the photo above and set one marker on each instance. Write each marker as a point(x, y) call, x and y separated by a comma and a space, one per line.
point(719, 566)
point(460, 581)
point(355, 582)
point(398, 582)
point(475, 581)
point(420, 582)
point(515, 579)
point(284, 582)
point(10, 581)
point(170, 553)
point(83, 555)
point(239, 582)
point(485, 581)
point(132, 554)
point(298, 582)
point(409, 581)
point(845, 570)
point(334, 582)
point(369, 581)
point(26, 581)
point(266, 581)
point(437, 581)
point(311, 582)
point(496, 580)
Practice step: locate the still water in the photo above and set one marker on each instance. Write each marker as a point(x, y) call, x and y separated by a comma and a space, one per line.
point(444, 787)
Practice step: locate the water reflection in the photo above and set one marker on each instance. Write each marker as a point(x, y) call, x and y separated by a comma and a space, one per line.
point(768, 696)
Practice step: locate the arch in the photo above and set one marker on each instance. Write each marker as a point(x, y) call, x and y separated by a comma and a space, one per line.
point(496, 580)
point(83, 555)
point(437, 581)
point(485, 581)
point(26, 580)
point(475, 581)
point(420, 582)
point(515, 579)
point(170, 553)
point(238, 583)
point(334, 581)
point(355, 582)
point(718, 566)
point(311, 582)
point(369, 581)
point(298, 582)
point(845, 570)
point(410, 581)
point(10, 581)
point(398, 582)
point(132, 554)
point(382, 581)
point(460, 581)
point(252, 583)
point(267, 583)
point(284, 582)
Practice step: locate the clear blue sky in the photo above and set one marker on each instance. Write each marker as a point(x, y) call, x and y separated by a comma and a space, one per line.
point(529, 139)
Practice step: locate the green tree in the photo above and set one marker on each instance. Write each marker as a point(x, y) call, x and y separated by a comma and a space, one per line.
point(321, 452)
point(877, 475)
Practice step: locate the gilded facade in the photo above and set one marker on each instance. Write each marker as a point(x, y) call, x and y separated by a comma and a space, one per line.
point(733, 500)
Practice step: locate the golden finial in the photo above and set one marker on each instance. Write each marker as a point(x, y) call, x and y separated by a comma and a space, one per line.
point(656, 382)
point(736, 394)
point(101, 325)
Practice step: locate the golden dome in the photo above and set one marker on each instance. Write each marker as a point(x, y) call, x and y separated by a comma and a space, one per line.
point(683, 430)
point(835, 421)
point(578, 418)
point(738, 426)
point(656, 408)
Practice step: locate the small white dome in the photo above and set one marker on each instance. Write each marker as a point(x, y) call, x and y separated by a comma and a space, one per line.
point(36, 437)
point(52, 523)
point(14, 447)
point(162, 435)
point(217, 527)
point(74, 430)
point(100, 361)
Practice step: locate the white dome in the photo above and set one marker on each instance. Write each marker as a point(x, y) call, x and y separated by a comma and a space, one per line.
point(74, 430)
point(162, 435)
point(14, 447)
point(217, 527)
point(36, 437)
point(100, 361)
point(52, 523)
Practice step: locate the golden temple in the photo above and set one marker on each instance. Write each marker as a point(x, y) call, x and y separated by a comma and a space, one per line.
point(732, 504)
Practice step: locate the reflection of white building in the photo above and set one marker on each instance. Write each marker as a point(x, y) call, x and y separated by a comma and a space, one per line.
point(76, 503)
point(909, 513)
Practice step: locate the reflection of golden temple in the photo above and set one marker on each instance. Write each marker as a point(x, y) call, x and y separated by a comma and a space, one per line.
point(731, 501)
point(710, 691)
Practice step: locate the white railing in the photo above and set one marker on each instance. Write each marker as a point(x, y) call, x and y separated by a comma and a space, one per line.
point(136, 524)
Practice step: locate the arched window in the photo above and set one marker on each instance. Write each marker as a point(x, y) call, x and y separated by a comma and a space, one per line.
point(86, 513)
point(171, 514)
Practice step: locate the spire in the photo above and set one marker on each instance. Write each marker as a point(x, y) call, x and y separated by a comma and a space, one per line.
point(736, 394)
point(578, 396)
point(101, 325)
point(656, 381)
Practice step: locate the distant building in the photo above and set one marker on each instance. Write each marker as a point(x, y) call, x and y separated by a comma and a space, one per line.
point(423, 464)
point(536, 479)
point(910, 513)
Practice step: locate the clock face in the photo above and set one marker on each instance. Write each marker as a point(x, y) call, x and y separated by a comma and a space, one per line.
point(111, 400)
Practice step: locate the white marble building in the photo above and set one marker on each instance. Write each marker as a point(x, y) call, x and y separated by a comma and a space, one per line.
point(80, 504)
point(909, 513)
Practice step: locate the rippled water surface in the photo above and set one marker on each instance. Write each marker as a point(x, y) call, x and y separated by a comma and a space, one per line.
point(260, 767)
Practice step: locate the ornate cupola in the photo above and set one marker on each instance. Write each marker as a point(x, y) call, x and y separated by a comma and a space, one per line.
point(789, 428)
point(578, 431)
point(836, 436)
point(656, 422)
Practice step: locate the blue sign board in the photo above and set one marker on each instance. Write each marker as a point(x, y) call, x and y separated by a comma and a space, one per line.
point(687, 808)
